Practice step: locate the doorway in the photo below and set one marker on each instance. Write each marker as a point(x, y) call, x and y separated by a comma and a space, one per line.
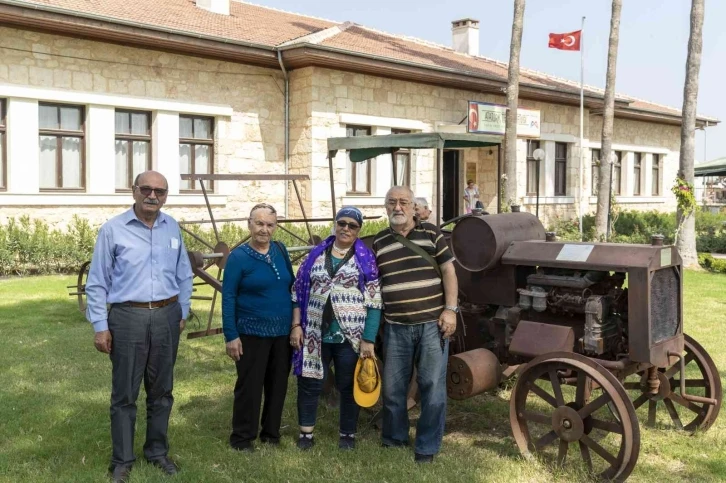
point(451, 185)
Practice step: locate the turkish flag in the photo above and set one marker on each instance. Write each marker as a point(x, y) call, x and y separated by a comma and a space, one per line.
point(569, 41)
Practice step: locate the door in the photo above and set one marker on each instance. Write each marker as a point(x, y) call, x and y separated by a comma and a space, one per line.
point(451, 185)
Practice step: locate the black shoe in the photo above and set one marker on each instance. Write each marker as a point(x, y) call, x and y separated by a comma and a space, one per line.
point(423, 458)
point(346, 442)
point(245, 446)
point(304, 443)
point(120, 473)
point(165, 464)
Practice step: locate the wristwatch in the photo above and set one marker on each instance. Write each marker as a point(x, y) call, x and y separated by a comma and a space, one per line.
point(453, 308)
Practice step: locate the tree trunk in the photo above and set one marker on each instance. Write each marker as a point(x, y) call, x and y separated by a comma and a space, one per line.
point(686, 242)
point(510, 133)
point(605, 183)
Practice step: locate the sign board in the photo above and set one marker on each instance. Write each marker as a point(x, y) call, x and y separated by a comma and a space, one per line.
point(485, 118)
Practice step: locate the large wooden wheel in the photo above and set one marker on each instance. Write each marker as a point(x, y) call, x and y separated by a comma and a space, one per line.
point(551, 410)
point(668, 407)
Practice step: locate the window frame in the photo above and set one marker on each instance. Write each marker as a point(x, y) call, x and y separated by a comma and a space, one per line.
point(403, 152)
point(350, 165)
point(129, 140)
point(59, 134)
point(209, 186)
point(655, 173)
point(533, 162)
point(561, 165)
point(595, 163)
point(617, 167)
point(637, 173)
point(4, 141)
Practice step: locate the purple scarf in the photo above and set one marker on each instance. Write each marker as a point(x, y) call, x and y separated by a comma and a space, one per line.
point(365, 260)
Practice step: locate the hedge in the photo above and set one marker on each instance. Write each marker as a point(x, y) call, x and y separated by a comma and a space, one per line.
point(31, 247)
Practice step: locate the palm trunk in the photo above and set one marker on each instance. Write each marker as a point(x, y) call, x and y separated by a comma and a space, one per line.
point(686, 242)
point(510, 136)
point(604, 185)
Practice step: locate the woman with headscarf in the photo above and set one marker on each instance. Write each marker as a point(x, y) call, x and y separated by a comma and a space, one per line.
point(336, 315)
point(256, 317)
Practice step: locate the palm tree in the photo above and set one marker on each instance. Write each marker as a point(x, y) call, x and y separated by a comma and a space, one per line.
point(686, 241)
point(603, 191)
point(510, 133)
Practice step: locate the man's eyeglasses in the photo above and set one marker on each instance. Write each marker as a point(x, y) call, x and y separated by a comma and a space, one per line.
point(347, 224)
point(393, 202)
point(146, 191)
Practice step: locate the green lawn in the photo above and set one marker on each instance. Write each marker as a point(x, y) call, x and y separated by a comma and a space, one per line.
point(54, 396)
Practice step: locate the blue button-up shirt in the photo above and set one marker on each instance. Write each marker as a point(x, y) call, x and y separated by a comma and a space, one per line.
point(134, 263)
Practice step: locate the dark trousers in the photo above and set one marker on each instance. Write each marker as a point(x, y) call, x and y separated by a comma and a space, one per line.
point(308, 389)
point(144, 345)
point(265, 364)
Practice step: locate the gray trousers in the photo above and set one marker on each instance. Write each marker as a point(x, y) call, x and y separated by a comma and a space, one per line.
point(144, 345)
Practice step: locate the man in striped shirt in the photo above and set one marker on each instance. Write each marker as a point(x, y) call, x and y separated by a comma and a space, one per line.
point(419, 289)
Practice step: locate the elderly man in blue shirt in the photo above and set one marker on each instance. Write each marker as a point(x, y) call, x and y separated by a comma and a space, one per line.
point(140, 269)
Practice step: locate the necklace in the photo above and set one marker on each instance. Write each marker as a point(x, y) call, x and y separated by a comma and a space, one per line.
point(342, 251)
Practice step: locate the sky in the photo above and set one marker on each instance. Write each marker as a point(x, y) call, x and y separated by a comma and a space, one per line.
point(651, 55)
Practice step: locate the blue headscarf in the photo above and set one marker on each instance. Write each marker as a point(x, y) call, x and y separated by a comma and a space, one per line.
point(350, 212)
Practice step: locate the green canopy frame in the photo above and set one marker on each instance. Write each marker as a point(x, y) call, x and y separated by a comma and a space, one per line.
point(361, 148)
point(717, 167)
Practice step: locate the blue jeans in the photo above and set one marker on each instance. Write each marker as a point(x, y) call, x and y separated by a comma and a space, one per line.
point(308, 389)
point(403, 347)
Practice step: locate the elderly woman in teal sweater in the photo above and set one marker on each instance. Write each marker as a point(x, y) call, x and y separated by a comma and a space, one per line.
point(256, 315)
point(337, 311)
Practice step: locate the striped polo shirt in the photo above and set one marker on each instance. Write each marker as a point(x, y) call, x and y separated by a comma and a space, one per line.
point(412, 291)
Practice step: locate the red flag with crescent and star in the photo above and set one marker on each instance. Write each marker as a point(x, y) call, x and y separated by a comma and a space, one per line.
point(569, 41)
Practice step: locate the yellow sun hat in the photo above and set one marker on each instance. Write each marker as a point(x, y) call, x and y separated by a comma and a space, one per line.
point(366, 382)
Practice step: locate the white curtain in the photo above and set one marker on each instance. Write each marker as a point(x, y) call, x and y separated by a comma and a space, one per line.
point(72, 163)
point(141, 157)
point(185, 164)
point(122, 169)
point(361, 176)
point(48, 146)
point(48, 117)
point(2, 159)
point(70, 118)
point(139, 123)
point(201, 159)
point(185, 127)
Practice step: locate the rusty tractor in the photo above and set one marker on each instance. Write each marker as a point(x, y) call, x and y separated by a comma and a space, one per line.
point(594, 333)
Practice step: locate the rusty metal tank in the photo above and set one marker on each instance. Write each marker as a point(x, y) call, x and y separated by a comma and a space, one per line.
point(478, 242)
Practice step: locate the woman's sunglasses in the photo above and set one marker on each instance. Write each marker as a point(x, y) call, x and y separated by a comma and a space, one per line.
point(347, 224)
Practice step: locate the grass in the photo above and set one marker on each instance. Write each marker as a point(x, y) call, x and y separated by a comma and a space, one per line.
point(54, 396)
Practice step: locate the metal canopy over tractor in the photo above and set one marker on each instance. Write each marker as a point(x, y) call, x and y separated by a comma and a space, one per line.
point(361, 148)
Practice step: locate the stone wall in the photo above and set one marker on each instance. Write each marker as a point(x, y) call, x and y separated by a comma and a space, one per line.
point(251, 140)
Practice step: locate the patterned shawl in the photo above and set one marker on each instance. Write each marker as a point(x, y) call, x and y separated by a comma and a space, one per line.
point(365, 260)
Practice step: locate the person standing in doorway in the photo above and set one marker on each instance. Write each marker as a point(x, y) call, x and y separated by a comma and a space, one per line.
point(141, 269)
point(471, 195)
point(422, 209)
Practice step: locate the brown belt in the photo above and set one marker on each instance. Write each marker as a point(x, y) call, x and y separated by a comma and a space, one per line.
point(153, 305)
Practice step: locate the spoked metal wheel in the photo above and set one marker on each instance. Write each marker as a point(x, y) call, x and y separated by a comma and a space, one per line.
point(79, 289)
point(551, 414)
point(668, 407)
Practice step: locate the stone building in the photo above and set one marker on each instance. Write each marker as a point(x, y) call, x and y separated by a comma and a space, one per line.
point(93, 92)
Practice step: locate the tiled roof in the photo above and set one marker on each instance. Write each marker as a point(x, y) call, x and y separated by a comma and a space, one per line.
point(268, 27)
point(245, 23)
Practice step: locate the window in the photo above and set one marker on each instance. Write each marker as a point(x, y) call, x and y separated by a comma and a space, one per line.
point(595, 171)
point(62, 163)
point(531, 167)
point(655, 188)
point(3, 151)
point(196, 150)
point(560, 169)
point(616, 170)
point(133, 146)
point(359, 174)
point(402, 163)
point(637, 163)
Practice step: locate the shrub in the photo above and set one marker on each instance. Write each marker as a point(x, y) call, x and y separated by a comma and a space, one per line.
point(711, 264)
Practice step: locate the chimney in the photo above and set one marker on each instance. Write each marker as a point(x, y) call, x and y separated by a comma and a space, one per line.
point(215, 6)
point(465, 36)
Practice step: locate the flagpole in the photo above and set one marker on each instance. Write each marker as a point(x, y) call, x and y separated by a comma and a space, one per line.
point(582, 124)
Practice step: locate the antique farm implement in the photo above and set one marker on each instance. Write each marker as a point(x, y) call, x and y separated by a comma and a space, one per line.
point(594, 332)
